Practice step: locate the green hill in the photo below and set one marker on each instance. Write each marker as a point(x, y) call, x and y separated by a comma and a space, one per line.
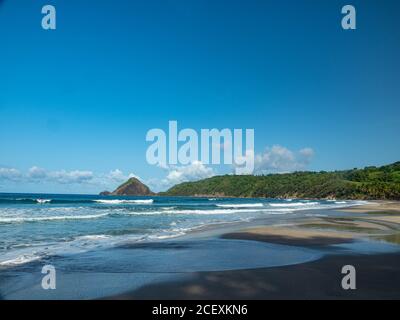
point(368, 183)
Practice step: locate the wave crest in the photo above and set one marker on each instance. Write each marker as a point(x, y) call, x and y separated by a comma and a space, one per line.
point(294, 204)
point(49, 218)
point(241, 205)
point(116, 201)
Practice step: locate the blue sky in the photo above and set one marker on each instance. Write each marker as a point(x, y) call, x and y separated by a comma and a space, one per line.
point(76, 103)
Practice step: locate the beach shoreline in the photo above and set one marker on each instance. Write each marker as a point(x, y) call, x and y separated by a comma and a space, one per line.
point(265, 258)
point(378, 274)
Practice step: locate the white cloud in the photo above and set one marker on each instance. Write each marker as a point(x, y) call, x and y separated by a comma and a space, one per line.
point(75, 176)
point(10, 174)
point(308, 153)
point(276, 159)
point(280, 159)
point(177, 174)
point(38, 175)
point(118, 176)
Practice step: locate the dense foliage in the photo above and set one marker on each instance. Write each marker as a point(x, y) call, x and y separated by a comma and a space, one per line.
point(368, 183)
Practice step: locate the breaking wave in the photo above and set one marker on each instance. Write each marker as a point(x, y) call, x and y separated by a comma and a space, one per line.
point(294, 204)
point(149, 201)
point(50, 218)
point(241, 205)
point(22, 259)
point(43, 200)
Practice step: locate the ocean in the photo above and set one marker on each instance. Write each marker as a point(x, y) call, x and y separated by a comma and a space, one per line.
point(36, 226)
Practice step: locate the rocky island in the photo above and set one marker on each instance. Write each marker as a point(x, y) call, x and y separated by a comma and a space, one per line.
point(132, 187)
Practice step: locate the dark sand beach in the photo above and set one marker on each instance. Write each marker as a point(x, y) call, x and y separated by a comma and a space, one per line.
point(378, 274)
point(378, 277)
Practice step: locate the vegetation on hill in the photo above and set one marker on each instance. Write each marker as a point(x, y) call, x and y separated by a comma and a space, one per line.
point(368, 183)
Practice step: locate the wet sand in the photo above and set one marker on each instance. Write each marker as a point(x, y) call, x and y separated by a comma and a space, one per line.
point(326, 231)
point(294, 236)
point(378, 275)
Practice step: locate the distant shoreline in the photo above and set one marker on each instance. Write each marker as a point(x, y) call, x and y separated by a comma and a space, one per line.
point(205, 196)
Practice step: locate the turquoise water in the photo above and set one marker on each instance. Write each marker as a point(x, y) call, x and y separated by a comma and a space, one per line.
point(36, 226)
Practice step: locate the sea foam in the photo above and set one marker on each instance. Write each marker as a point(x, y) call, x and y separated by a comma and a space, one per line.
point(241, 205)
point(294, 204)
point(149, 201)
point(49, 218)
